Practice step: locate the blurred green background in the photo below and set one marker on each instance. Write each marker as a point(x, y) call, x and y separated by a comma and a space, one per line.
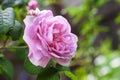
point(97, 24)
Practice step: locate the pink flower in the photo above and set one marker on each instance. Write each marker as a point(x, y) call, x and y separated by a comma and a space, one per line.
point(32, 5)
point(49, 37)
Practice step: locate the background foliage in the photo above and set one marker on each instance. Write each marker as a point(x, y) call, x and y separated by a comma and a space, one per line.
point(95, 22)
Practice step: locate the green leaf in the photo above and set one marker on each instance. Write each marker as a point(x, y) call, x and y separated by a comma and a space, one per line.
point(49, 73)
point(7, 3)
point(15, 31)
point(1, 1)
point(1, 55)
point(19, 2)
point(118, 1)
point(62, 68)
point(7, 18)
point(12, 3)
point(6, 68)
point(30, 68)
point(21, 53)
point(117, 19)
point(70, 75)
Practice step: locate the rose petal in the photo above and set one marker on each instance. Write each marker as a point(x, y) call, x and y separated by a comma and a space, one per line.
point(43, 61)
point(32, 4)
point(64, 62)
point(49, 37)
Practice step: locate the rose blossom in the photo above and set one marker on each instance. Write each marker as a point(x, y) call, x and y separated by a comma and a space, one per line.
point(32, 5)
point(48, 37)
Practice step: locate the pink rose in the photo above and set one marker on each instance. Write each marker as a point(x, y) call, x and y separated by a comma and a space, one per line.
point(32, 5)
point(49, 37)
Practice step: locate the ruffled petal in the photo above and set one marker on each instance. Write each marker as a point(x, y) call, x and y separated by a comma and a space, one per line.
point(64, 62)
point(43, 61)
